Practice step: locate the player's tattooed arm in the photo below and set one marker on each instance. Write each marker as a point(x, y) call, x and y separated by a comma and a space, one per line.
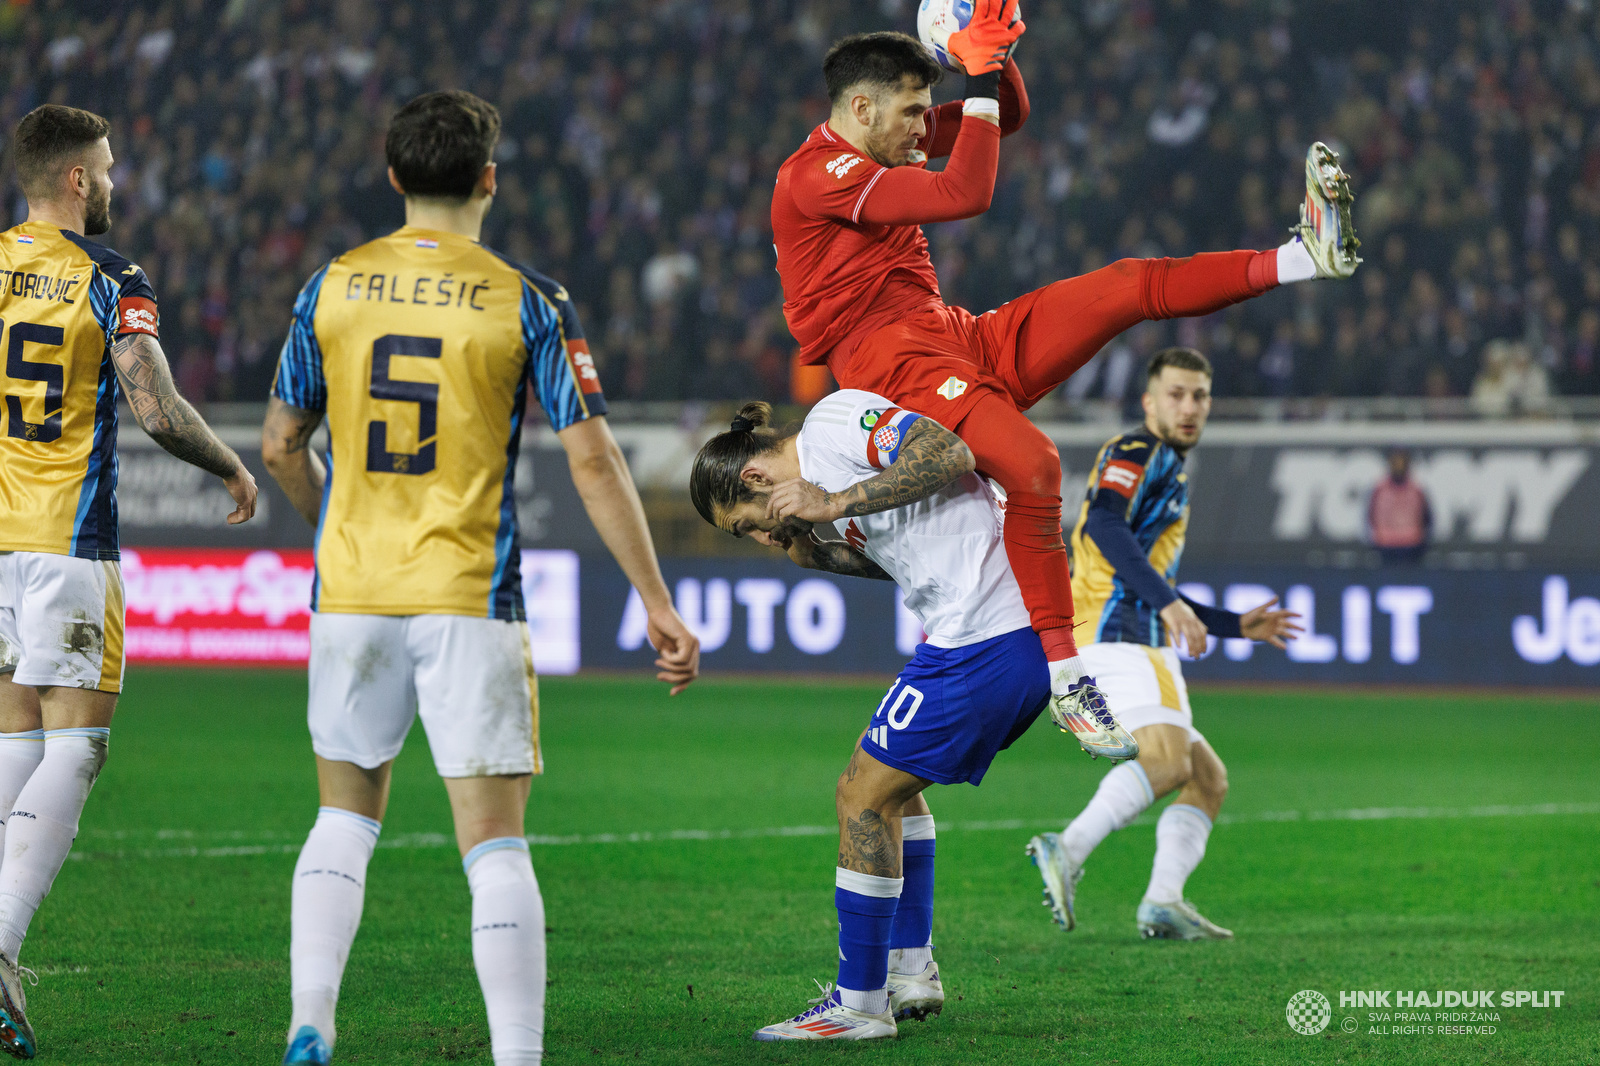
point(834, 557)
point(842, 559)
point(868, 846)
point(930, 458)
point(286, 449)
point(172, 421)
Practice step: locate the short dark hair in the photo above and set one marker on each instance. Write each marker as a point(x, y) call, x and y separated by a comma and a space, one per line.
point(882, 60)
point(439, 143)
point(714, 483)
point(1178, 359)
point(46, 138)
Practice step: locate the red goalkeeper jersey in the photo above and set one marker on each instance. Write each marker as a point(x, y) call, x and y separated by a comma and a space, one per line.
point(848, 232)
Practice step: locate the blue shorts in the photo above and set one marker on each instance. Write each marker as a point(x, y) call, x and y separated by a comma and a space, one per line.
point(952, 710)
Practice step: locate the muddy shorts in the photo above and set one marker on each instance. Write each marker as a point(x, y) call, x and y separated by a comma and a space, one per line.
point(470, 679)
point(61, 620)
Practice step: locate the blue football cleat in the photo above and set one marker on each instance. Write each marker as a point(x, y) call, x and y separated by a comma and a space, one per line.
point(308, 1046)
point(16, 1035)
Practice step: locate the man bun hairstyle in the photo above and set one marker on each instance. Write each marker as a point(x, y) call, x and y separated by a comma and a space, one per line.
point(48, 138)
point(1178, 359)
point(439, 143)
point(881, 60)
point(715, 484)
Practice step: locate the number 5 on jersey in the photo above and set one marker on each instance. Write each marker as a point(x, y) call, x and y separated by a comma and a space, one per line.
point(425, 394)
point(51, 374)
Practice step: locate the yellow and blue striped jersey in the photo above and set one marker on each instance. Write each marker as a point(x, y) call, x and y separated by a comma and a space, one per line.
point(421, 347)
point(63, 300)
point(1128, 540)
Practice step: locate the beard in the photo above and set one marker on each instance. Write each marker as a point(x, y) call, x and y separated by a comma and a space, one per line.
point(1173, 436)
point(881, 145)
point(97, 212)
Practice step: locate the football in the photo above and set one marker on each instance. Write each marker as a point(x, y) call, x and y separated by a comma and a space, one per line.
point(938, 19)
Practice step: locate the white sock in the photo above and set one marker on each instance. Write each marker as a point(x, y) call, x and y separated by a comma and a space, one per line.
point(508, 947)
point(330, 885)
point(42, 824)
point(909, 960)
point(1123, 795)
point(1294, 262)
point(20, 754)
point(1064, 673)
point(1181, 834)
point(913, 960)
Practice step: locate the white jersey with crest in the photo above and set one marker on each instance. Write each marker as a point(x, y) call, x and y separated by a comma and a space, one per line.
point(945, 552)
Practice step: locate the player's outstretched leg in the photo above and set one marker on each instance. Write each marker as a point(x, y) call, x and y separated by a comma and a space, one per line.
point(1123, 795)
point(1181, 835)
point(915, 990)
point(326, 900)
point(1046, 336)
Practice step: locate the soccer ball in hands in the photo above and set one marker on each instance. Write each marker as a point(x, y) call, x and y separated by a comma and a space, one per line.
point(938, 19)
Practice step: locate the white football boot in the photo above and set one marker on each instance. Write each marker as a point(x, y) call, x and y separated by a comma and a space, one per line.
point(1326, 228)
point(917, 996)
point(1083, 712)
point(1060, 875)
point(1177, 921)
point(16, 1035)
point(831, 1020)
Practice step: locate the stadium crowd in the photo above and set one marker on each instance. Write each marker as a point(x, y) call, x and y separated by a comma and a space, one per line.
point(642, 138)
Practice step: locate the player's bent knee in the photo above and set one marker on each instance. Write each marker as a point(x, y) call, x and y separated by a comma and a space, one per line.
point(1168, 772)
point(1040, 466)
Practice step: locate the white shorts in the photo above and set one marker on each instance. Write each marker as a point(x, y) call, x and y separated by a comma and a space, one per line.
point(1143, 685)
point(471, 679)
point(61, 620)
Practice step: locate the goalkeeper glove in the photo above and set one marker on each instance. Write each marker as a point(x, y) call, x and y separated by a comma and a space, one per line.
point(982, 47)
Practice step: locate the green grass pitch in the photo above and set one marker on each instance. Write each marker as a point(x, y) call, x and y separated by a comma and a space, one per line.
point(166, 937)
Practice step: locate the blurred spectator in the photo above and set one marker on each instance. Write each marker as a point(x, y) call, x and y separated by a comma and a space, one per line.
point(1510, 382)
point(642, 139)
point(1399, 520)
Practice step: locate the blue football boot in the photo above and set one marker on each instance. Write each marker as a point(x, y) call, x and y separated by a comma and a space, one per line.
point(308, 1047)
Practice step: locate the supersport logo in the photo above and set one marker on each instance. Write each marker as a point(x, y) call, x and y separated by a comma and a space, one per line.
point(842, 166)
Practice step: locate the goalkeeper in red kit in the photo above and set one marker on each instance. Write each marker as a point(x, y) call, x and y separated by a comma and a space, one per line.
point(860, 293)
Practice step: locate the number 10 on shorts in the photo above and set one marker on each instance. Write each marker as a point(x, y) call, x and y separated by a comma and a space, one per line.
point(899, 713)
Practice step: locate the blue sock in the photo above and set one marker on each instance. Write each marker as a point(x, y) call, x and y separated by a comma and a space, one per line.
point(866, 911)
point(913, 920)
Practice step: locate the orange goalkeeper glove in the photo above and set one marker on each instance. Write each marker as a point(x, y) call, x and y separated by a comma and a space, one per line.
point(982, 47)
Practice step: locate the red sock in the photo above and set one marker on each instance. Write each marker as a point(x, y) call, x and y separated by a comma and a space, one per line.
point(1038, 558)
point(1058, 644)
point(1262, 273)
point(1203, 283)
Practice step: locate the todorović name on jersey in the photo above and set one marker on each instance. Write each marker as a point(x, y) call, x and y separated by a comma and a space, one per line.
point(425, 290)
point(37, 286)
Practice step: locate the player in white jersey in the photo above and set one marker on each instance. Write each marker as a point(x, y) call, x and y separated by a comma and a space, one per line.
point(871, 490)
